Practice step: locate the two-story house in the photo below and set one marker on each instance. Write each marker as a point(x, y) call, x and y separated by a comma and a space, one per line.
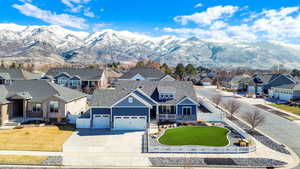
point(132, 104)
point(83, 79)
point(25, 100)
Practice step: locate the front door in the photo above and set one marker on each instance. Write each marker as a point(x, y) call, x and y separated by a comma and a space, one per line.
point(17, 108)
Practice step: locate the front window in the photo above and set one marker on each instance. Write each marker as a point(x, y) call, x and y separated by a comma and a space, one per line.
point(74, 83)
point(167, 109)
point(62, 80)
point(36, 107)
point(187, 111)
point(53, 106)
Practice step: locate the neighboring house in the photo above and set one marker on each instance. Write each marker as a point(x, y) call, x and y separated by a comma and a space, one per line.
point(8, 75)
point(260, 84)
point(40, 100)
point(145, 73)
point(132, 104)
point(234, 82)
point(83, 79)
point(206, 81)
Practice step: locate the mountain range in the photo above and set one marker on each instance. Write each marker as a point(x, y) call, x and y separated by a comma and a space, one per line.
point(54, 44)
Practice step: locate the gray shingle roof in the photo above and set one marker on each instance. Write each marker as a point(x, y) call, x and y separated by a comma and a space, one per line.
point(83, 73)
point(281, 80)
point(40, 90)
point(107, 97)
point(146, 72)
point(18, 74)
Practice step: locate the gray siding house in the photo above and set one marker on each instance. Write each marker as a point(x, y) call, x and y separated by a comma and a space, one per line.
point(83, 79)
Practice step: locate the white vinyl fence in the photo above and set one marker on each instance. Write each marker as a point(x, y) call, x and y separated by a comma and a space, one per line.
point(216, 113)
point(83, 123)
point(200, 149)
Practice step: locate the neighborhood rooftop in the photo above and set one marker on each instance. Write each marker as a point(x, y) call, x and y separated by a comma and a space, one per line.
point(110, 96)
point(146, 72)
point(83, 73)
point(37, 90)
point(17, 74)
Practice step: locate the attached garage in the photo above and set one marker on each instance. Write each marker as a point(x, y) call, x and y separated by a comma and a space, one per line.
point(101, 121)
point(130, 122)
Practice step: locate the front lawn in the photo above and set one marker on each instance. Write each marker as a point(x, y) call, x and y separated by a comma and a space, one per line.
point(291, 109)
point(48, 138)
point(22, 159)
point(195, 135)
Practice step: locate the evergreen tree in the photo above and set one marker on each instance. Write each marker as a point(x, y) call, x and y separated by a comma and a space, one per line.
point(180, 70)
point(190, 69)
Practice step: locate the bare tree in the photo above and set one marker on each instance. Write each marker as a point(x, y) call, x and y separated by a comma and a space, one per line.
point(232, 107)
point(254, 118)
point(217, 99)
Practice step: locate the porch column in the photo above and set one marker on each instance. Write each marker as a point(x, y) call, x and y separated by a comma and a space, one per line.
point(157, 113)
point(24, 108)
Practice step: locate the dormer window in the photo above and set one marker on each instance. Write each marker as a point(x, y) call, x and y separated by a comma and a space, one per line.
point(130, 100)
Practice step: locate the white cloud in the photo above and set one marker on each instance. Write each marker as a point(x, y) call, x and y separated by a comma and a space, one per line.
point(89, 13)
point(198, 5)
point(156, 28)
point(208, 16)
point(50, 17)
point(99, 26)
point(273, 24)
point(77, 6)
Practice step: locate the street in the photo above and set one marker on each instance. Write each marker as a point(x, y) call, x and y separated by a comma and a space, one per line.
point(282, 130)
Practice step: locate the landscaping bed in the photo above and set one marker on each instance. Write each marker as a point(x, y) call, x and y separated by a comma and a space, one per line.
point(30, 160)
point(261, 138)
point(233, 162)
point(46, 138)
point(195, 135)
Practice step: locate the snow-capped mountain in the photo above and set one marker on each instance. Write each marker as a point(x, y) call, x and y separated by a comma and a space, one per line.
point(54, 44)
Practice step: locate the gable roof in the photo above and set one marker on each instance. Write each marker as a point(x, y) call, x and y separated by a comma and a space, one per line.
point(18, 74)
point(264, 78)
point(281, 80)
point(39, 90)
point(83, 73)
point(146, 72)
point(106, 97)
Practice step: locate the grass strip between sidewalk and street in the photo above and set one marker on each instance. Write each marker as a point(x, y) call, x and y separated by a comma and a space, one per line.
point(22, 159)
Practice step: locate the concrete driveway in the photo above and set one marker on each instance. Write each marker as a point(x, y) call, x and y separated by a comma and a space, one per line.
point(104, 148)
point(86, 140)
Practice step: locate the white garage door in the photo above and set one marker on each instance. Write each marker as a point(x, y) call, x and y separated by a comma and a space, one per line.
point(101, 121)
point(130, 122)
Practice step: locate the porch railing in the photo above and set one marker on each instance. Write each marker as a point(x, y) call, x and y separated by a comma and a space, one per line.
point(187, 117)
point(167, 116)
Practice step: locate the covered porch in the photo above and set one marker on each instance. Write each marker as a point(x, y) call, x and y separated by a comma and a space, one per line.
point(19, 108)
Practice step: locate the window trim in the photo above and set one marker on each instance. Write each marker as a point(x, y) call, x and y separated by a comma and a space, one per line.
point(34, 108)
point(54, 107)
point(185, 108)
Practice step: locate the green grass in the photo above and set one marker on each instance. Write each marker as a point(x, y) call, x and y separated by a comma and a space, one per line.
point(291, 109)
point(195, 135)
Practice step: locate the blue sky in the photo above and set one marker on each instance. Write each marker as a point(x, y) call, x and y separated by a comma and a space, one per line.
point(209, 19)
